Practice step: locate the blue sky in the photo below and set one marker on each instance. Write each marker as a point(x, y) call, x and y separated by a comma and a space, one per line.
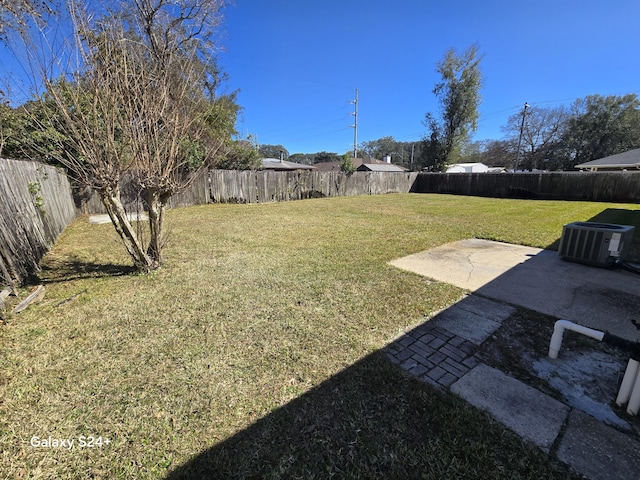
point(297, 63)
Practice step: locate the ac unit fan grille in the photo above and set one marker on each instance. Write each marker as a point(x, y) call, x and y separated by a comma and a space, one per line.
point(594, 243)
point(583, 244)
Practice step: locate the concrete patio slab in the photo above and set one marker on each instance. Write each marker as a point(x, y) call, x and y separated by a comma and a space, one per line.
point(534, 416)
point(502, 276)
point(607, 300)
point(468, 264)
point(538, 280)
point(598, 451)
point(488, 308)
point(473, 318)
point(104, 218)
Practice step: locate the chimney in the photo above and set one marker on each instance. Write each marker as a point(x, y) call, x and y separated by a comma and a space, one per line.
point(281, 156)
point(387, 158)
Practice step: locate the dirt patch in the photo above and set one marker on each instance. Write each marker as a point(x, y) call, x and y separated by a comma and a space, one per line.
point(586, 375)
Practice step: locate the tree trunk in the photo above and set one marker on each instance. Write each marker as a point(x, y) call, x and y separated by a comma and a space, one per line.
point(156, 202)
point(111, 200)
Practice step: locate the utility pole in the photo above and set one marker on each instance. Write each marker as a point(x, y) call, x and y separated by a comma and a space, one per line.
point(355, 126)
point(524, 113)
point(411, 164)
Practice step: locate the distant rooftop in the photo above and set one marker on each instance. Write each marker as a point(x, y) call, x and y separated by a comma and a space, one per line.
point(276, 164)
point(629, 160)
point(380, 167)
point(356, 162)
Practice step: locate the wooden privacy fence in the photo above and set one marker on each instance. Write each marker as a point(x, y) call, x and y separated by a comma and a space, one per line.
point(621, 187)
point(197, 194)
point(269, 186)
point(232, 186)
point(35, 206)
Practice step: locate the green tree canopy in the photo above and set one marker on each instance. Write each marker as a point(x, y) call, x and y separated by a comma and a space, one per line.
point(400, 151)
point(303, 158)
point(324, 157)
point(601, 126)
point(347, 165)
point(380, 147)
point(241, 155)
point(459, 97)
point(11, 127)
point(272, 151)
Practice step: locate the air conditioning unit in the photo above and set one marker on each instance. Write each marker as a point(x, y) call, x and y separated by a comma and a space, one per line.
point(599, 244)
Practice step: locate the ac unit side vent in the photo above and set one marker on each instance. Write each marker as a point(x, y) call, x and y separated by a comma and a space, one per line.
point(594, 243)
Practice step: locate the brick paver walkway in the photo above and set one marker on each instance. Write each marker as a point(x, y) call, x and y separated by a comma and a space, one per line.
point(443, 349)
point(434, 354)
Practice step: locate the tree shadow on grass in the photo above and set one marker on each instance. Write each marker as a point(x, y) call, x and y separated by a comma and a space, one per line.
point(75, 269)
point(371, 420)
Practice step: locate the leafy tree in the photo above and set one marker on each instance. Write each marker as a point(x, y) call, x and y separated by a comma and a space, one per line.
point(10, 131)
point(459, 97)
point(602, 126)
point(302, 158)
point(347, 165)
point(141, 104)
point(471, 152)
point(38, 135)
point(324, 157)
point(29, 132)
point(241, 155)
point(273, 151)
point(380, 147)
point(400, 151)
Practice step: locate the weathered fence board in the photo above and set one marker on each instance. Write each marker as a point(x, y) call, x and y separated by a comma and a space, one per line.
point(585, 186)
point(196, 194)
point(131, 197)
point(35, 206)
point(270, 186)
point(88, 201)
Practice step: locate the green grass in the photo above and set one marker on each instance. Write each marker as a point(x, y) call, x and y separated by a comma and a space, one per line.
point(252, 352)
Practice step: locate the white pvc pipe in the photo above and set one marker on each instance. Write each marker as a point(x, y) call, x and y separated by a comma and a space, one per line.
point(630, 388)
point(558, 332)
point(634, 400)
point(628, 382)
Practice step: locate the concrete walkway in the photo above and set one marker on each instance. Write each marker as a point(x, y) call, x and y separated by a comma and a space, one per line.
point(442, 351)
point(99, 219)
point(538, 280)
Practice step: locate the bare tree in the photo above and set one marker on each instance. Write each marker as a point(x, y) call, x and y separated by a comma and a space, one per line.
point(141, 104)
point(16, 14)
point(542, 131)
point(499, 153)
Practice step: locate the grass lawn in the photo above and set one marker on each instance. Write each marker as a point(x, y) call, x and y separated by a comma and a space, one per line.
point(252, 353)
